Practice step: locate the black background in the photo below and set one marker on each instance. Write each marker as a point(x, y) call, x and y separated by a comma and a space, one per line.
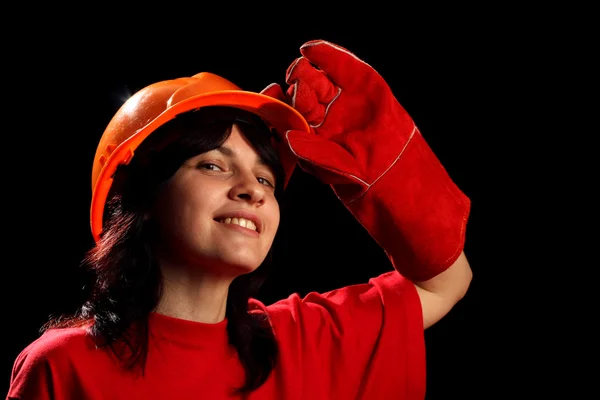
point(67, 80)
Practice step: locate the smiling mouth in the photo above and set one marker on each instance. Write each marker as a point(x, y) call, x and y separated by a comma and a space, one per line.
point(243, 222)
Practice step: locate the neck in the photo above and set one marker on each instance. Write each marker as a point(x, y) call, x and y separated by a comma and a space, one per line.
point(193, 296)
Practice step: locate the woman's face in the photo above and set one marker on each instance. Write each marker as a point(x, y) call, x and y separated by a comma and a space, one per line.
point(219, 211)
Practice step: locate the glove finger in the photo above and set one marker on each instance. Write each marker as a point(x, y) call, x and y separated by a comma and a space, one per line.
point(344, 68)
point(324, 175)
point(274, 90)
point(302, 71)
point(304, 99)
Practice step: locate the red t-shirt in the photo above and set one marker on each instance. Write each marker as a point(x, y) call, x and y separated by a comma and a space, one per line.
point(360, 342)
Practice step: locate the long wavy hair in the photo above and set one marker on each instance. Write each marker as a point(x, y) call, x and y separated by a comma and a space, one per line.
point(126, 280)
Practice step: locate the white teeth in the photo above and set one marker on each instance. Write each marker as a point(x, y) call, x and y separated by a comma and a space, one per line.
point(241, 222)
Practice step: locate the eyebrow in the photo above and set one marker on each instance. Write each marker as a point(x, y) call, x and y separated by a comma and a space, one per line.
point(226, 151)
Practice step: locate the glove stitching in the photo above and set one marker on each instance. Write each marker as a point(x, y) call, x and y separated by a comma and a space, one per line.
point(388, 168)
point(267, 88)
point(287, 77)
point(326, 43)
point(328, 168)
point(327, 108)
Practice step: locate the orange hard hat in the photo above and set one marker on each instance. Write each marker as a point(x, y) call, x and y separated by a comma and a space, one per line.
point(160, 102)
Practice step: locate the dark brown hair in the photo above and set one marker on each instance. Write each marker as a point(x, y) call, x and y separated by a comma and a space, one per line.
point(127, 283)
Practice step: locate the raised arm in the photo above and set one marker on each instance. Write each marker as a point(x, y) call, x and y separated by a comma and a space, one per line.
point(439, 294)
point(366, 146)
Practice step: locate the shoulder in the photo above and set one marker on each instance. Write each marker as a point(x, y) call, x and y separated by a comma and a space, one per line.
point(371, 325)
point(375, 291)
point(366, 303)
point(49, 361)
point(55, 344)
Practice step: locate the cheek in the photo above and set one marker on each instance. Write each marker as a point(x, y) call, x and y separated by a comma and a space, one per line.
point(192, 207)
point(176, 208)
point(274, 217)
point(169, 213)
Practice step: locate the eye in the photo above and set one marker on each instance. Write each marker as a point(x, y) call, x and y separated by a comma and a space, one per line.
point(265, 181)
point(210, 167)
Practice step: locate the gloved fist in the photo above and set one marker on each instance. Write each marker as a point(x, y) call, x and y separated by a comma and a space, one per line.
point(366, 146)
point(360, 128)
point(306, 157)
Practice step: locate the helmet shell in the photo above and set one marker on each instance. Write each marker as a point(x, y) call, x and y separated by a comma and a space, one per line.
point(160, 102)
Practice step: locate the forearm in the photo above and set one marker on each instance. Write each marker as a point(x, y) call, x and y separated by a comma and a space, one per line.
point(440, 294)
point(419, 217)
point(453, 282)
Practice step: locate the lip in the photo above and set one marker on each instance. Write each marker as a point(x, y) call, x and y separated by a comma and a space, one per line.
point(242, 214)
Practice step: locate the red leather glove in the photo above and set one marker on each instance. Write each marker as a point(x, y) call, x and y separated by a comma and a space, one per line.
point(367, 147)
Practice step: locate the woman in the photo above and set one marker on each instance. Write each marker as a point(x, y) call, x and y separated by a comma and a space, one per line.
point(186, 183)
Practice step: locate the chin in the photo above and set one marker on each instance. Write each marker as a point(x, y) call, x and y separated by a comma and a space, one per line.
point(241, 265)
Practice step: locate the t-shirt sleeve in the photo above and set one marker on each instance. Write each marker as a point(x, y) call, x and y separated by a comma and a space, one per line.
point(360, 341)
point(31, 376)
point(43, 370)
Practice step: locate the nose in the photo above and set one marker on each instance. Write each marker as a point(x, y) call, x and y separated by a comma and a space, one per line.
point(248, 189)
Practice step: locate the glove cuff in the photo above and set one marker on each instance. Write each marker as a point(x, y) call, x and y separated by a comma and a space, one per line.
point(414, 211)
